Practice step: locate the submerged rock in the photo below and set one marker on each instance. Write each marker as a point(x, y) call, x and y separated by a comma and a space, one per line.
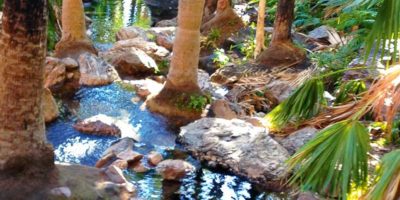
point(238, 146)
point(50, 108)
point(174, 170)
point(95, 71)
point(98, 126)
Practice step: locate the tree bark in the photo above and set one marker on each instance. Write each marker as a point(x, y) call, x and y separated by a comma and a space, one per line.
point(182, 76)
point(74, 40)
point(260, 34)
point(23, 148)
point(282, 52)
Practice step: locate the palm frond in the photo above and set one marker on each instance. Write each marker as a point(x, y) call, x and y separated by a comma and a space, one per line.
point(333, 160)
point(388, 182)
point(385, 31)
point(304, 103)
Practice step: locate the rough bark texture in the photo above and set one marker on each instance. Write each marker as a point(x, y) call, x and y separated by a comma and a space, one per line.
point(182, 76)
point(282, 52)
point(225, 21)
point(260, 34)
point(25, 157)
point(74, 40)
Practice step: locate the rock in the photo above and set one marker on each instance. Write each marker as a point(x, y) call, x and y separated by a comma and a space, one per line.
point(62, 192)
point(146, 87)
point(115, 174)
point(296, 140)
point(70, 64)
point(95, 71)
point(167, 23)
point(139, 167)
point(122, 164)
point(203, 79)
point(221, 109)
point(154, 158)
point(164, 36)
point(83, 182)
point(131, 32)
point(96, 126)
point(280, 89)
point(120, 146)
point(131, 61)
point(255, 121)
point(238, 146)
point(50, 108)
point(207, 64)
point(129, 156)
point(174, 169)
point(150, 48)
point(232, 73)
point(307, 196)
point(326, 33)
point(55, 73)
point(104, 160)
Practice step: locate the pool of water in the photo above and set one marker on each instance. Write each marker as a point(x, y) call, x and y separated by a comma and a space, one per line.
point(150, 130)
point(109, 16)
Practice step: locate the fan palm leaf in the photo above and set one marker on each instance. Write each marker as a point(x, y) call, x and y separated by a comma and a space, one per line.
point(333, 160)
point(388, 183)
point(304, 103)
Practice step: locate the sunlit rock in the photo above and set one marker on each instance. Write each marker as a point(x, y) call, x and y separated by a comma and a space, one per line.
point(50, 108)
point(174, 169)
point(95, 71)
point(238, 146)
point(297, 139)
point(154, 158)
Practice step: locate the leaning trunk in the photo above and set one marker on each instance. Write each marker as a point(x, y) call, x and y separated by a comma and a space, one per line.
point(282, 52)
point(24, 153)
point(74, 40)
point(182, 77)
point(260, 34)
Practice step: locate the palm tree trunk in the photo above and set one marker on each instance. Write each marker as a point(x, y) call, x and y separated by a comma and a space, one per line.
point(23, 148)
point(74, 40)
point(182, 76)
point(260, 34)
point(282, 52)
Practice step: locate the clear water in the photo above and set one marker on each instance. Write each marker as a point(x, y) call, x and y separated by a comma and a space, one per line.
point(109, 16)
point(149, 129)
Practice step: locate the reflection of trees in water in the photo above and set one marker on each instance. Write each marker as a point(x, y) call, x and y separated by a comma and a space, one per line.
point(110, 16)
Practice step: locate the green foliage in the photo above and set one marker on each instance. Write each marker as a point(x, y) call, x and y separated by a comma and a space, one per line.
point(386, 28)
point(304, 103)
point(388, 177)
point(194, 102)
point(334, 160)
point(220, 58)
point(349, 90)
point(212, 38)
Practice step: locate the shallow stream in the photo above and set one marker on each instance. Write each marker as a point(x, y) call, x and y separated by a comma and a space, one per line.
point(151, 130)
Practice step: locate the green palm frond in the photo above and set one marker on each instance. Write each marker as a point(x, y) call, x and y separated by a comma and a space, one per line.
point(388, 182)
point(333, 160)
point(385, 30)
point(304, 103)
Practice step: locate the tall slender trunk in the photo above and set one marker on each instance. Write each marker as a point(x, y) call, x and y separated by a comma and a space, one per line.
point(23, 148)
point(283, 22)
point(260, 34)
point(282, 52)
point(182, 76)
point(74, 40)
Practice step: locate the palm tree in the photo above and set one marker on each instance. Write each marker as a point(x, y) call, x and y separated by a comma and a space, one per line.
point(282, 52)
point(181, 84)
point(74, 40)
point(24, 152)
point(260, 34)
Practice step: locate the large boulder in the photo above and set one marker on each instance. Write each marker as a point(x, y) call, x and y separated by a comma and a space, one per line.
point(326, 33)
point(97, 128)
point(238, 146)
point(131, 32)
point(174, 170)
point(50, 108)
point(131, 61)
point(95, 71)
point(150, 48)
point(54, 73)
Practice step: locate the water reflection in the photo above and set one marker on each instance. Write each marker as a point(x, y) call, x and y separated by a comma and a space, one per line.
point(109, 16)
